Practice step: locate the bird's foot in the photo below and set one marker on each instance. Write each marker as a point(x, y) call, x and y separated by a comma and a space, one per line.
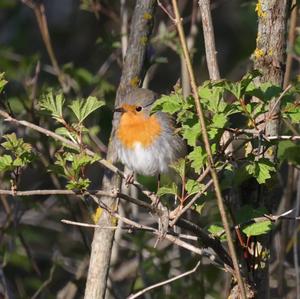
point(129, 179)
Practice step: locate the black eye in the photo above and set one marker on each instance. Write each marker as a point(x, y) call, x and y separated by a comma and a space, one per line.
point(138, 108)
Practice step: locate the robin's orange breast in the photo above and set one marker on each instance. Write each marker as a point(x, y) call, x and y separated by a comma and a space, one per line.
point(139, 128)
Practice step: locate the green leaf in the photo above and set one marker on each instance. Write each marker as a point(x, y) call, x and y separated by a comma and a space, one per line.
point(261, 170)
point(16, 145)
point(193, 187)
point(234, 88)
point(256, 229)
point(245, 218)
point(6, 163)
point(168, 103)
point(289, 151)
point(54, 105)
point(212, 96)
point(217, 231)
point(80, 184)
point(292, 111)
point(191, 133)
point(65, 132)
point(3, 82)
point(265, 91)
point(173, 189)
point(82, 160)
point(179, 167)
point(219, 120)
point(198, 158)
point(83, 108)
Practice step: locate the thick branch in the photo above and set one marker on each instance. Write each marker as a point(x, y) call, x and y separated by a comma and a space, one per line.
point(141, 26)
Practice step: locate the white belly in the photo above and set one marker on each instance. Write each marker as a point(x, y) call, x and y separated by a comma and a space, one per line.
point(146, 161)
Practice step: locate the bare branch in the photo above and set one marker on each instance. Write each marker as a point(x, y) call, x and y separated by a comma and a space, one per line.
point(138, 294)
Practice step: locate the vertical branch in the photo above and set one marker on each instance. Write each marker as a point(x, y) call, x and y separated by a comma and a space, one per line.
point(209, 39)
point(39, 11)
point(269, 55)
point(269, 58)
point(124, 27)
point(210, 160)
point(291, 41)
point(211, 56)
point(132, 75)
point(190, 40)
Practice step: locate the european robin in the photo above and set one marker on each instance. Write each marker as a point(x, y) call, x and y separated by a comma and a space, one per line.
point(146, 143)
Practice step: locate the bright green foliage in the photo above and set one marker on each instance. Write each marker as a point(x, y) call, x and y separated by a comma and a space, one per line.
point(193, 187)
point(54, 104)
point(2, 81)
point(20, 153)
point(217, 231)
point(83, 108)
point(261, 169)
point(198, 158)
point(173, 190)
point(180, 167)
point(169, 103)
point(71, 166)
point(246, 219)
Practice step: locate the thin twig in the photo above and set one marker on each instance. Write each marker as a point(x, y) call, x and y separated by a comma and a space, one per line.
point(166, 11)
point(87, 224)
point(277, 102)
point(209, 152)
point(128, 228)
point(45, 283)
point(295, 247)
point(138, 294)
point(39, 10)
point(71, 144)
point(56, 192)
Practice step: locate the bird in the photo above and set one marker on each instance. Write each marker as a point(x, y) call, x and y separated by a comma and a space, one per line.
point(146, 143)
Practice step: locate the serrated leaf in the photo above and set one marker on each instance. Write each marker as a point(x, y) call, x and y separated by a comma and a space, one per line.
point(54, 105)
point(173, 189)
point(219, 120)
point(179, 167)
point(82, 160)
point(15, 144)
point(234, 88)
point(261, 170)
point(191, 134)
point(256, 229)
point(246, 214)
point(198, 158)
point(168, 103)
point(265, 91)
point(64, 132)
point(212, 96)
point(6, 162)
point(83, 108)
point(80, 184)
point(193, 187)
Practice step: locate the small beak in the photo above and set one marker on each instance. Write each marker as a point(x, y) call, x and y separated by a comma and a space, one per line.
point(119, 109)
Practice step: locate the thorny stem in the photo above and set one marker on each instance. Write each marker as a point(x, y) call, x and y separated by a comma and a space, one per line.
point(208, 150)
